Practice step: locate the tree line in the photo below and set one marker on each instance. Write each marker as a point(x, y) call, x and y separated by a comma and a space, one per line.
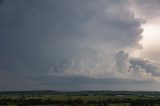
point(22, 101)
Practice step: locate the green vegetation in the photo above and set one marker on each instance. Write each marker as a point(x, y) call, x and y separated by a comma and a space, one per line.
point(83, 98)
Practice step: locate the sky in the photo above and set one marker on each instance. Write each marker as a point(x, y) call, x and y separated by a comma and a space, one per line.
point(80, 45)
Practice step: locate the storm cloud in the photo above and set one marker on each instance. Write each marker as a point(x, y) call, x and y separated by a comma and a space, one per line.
point(42, 41)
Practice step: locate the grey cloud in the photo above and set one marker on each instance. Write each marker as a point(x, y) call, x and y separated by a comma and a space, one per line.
point(122, 59)
point(137, 68)
point(129, 70)
point(146, 7)
point(69, 83)
point(68, 38)
point(108, 29)
point(149, 66)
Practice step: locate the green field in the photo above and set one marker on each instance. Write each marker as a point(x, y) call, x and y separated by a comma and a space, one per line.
point(84, 98)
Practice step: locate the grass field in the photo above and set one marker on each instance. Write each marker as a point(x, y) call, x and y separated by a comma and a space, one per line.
point(80, 99)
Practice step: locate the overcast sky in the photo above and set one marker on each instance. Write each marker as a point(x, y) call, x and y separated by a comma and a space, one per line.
point(79, 45)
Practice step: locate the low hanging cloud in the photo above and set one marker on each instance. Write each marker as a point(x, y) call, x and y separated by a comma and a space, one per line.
point(121, 66)
point(149, 66)
point(135, 68)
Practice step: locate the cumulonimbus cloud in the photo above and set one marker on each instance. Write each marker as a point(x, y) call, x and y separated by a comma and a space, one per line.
point(109, 29)
point(89, 38)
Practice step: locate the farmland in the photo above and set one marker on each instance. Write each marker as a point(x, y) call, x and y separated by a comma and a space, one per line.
point(81, 98)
